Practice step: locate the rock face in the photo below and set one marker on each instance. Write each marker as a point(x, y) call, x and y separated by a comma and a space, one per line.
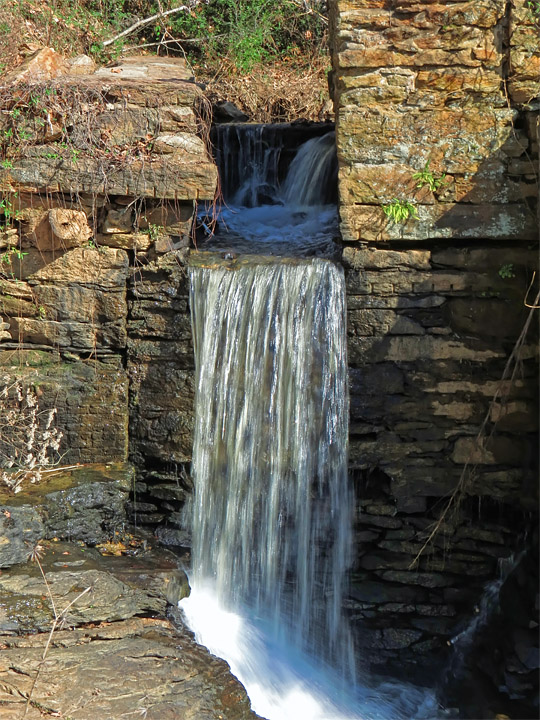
point(114, 654)
point(85, 504)
point(437, 112)
point(436, 105)
point(85, 204)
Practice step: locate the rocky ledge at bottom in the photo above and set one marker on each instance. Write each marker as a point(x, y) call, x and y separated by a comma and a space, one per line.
point(141, 667)
point(114, 653)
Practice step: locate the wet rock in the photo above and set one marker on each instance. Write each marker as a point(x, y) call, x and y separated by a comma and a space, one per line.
point(85, 504)
point(138, 667)
point(383, 592)
point(425, 579)
point(95, 588)
point(20, 529)
point(173, 537)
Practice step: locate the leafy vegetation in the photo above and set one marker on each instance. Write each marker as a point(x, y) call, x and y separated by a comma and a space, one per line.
point(267, 56)
point(426, 177)
point(507, 271)
point(399, 211)
point(243, 32)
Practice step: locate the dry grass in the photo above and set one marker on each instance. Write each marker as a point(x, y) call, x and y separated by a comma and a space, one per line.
point(277, 92)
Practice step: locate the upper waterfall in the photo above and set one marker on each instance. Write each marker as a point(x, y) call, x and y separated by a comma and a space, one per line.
point(276, 200)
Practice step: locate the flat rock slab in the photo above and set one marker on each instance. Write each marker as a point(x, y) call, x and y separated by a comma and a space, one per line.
point(135, 668)
point(96, 588)
point(85, 503)
point(113, 653)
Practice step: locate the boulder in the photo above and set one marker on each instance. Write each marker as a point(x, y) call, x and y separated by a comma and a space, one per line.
point(44, 64)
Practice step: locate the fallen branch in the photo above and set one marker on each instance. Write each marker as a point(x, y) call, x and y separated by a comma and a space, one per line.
point(157, 16)
point(308, 10)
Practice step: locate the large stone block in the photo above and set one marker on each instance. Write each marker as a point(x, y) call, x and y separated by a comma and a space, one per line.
point(181, 175)
point(442, 221)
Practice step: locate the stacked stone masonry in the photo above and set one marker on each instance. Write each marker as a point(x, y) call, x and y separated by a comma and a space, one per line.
point(437, 107)
point(448, 86)
point(101, 174)
point(94, 308)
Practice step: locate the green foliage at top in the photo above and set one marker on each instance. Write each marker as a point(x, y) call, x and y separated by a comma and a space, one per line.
point(243, 33)
point(533, 6)
point(247, 32)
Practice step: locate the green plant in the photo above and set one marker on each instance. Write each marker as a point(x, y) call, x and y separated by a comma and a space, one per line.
point(533, 7)
point(399, 211)
point(506, 271)
point(426, 177)
point(7, 208)
point(246, 32)
point(154, 231)
point(6, 164)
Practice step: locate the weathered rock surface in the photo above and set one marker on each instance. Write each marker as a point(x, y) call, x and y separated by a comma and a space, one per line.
point(90, 396)
point(114, 654)
point(143, 667)
point(85, 504)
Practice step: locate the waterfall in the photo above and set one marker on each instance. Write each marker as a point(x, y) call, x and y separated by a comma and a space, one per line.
point(272, 522)
point(248, 158)
point(278, 200)
point(313, 173)
point(272, 510)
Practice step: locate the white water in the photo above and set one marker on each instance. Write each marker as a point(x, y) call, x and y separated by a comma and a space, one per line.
point(272, 515)
point(262, 216)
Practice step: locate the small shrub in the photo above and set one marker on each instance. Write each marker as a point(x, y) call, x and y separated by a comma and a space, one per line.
point(29, 440)
point(399, 211)
point(507, 271)
point(426, 177)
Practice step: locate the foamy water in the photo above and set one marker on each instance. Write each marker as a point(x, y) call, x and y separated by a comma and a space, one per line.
point(282, 684)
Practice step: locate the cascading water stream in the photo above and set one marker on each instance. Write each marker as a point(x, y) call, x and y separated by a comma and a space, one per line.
point(269, 209)
point(272, 515)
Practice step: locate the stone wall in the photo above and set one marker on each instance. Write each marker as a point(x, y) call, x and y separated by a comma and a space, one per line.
point(101, 175)
point(448, 87)
point(437, 113)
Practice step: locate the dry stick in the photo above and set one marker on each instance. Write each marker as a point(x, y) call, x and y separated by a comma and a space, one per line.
point(513, 359)
point(57, 619)
point(307, 9)
point(157, 16)
point(533, 306)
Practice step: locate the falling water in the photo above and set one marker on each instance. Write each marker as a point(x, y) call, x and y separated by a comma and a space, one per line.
point(270, 208)
point(272, 515)
point(272, 523)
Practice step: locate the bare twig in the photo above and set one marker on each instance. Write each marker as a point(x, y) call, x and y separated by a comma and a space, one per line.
point(535, 305)
point(307, 9)
point(157, 16)
point(58, 617)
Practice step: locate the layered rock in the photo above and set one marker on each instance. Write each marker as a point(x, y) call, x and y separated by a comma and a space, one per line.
point(102, 173)
point(446, 88)
point(113, 654)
